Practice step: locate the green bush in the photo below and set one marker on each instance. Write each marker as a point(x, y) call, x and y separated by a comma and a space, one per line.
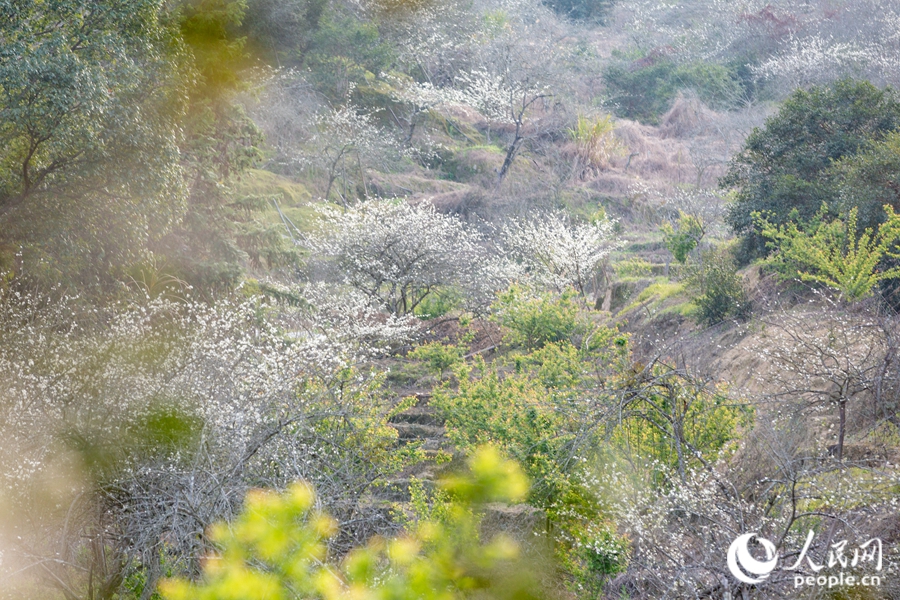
point(632, 267)
point(834, 253)
point(439, 358)
point(641, 94)
point(533, 321)
point(715, 85)
point(536, 415)
point(719, 294)
point(684, 237)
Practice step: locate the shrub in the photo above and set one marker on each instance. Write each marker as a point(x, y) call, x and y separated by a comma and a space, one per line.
point(682, 240)
point(594, 140)
point(646, 92)
point(537, 416)
point(834, 253)
point(438, 357)
point(276, 549)
point(531, 322)
point(641, 94)
point(397, 254)
point(715, 85)
point(718, 289)
point(633, 267)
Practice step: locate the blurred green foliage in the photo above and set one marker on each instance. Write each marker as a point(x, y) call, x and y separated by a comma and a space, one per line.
point(276, 549)
point(121, 137)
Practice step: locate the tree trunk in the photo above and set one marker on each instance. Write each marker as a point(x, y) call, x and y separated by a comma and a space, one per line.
point(510, 156)
point(842, 411)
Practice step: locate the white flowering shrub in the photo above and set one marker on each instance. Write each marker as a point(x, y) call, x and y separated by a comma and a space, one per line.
point(344, 328)
point(335, 143)
point(858, 39)
point(557, 254)
point(787, 42)
point(681, 534)
point(435, 38)
point(126, 431)
point(398, 254)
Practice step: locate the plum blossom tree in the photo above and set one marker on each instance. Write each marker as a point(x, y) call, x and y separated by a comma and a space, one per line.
point(858, 39)
point(504, 100)
point(128, 431)
point(771, 485)
point(337, 143)
point(558, 254)
point(398, 254)
point(347, 134)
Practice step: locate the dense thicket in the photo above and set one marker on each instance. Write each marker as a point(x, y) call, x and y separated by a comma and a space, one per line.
point(785, 168)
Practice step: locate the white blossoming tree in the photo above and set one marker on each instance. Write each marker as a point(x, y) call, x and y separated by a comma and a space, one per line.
point(127, 430)
point(558, 254)
point(398, 254)
point(506, 101)
point(347, 134)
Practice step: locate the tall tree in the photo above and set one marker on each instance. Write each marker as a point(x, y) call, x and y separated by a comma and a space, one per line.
point(785, 165)
point(89, 109)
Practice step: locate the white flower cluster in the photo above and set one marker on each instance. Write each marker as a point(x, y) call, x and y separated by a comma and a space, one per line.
point(800, 43)
point(256, 404)
point(820, 59)
point(396, 253)
point(340, 330)
point(555, 253)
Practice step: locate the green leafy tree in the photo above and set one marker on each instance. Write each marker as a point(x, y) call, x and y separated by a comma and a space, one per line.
point(786, 165)
point(834, 252)
point(120, 137)
point(276, 549)
point(869, 180)
point(90, 104)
